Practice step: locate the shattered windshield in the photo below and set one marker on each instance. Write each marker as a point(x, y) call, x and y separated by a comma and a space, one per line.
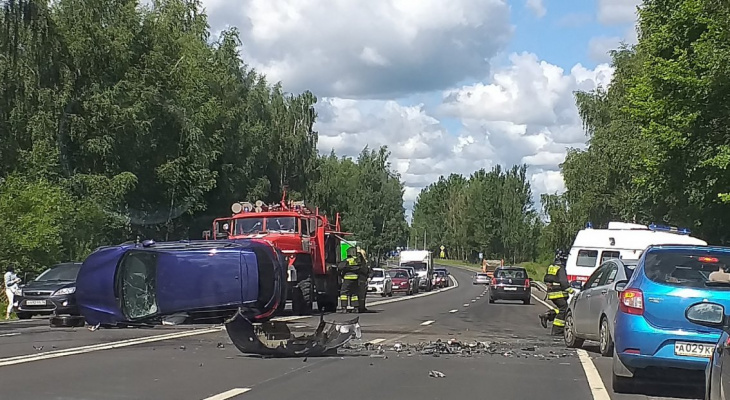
point(137, 275)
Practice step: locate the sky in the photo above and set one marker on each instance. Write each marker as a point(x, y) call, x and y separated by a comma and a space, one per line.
point(449, 86)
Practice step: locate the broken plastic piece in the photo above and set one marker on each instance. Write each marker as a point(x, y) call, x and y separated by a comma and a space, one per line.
point(273, 338)
point(436, 374)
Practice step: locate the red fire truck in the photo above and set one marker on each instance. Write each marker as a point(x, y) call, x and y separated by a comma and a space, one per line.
point(309, 242)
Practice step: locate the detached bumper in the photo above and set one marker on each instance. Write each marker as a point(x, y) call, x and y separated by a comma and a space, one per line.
point(274, 338)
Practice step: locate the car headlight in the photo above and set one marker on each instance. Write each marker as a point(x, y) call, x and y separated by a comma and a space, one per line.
point(68, 290)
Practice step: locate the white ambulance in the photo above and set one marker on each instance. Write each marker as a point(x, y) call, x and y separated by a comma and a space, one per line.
point(621, 240)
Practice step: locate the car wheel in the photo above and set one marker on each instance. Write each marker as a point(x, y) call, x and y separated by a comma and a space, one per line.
point(527, 301)
point(67, 321)
point(571, 340)
point(24, 315)
point(491, 300)
point(382, 294)
point(605, 340)
point(302, 301)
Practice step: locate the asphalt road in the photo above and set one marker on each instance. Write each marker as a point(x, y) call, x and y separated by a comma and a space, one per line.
point(510, 357)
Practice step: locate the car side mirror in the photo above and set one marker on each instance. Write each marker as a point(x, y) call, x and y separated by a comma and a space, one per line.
point(706, 314)
point(576, 285)
point(620, 285)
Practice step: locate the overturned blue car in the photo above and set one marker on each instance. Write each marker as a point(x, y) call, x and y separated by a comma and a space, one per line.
point(140, 284)
point(241, 283)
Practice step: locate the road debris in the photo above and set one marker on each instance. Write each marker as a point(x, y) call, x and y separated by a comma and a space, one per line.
point(436, 374)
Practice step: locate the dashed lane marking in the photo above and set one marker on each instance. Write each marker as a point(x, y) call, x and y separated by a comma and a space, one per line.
point(228, 394)
point(473, 301)
point(595, 383)
point(453, 311)
point(10, 334)
point(466, 304)
point(426, 323)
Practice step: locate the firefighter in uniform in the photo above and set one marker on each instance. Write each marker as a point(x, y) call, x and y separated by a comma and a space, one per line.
point(364, 273)
point(558, 291)
point(349, 269)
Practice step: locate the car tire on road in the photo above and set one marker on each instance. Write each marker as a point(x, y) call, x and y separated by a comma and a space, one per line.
point(569, 333)
point(527, 301)
point(67, 321)
point(605, 340)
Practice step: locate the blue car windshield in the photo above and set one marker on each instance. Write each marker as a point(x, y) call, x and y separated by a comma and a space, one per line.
point(690, 269)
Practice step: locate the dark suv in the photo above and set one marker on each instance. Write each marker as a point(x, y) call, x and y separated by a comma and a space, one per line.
point(53, 291)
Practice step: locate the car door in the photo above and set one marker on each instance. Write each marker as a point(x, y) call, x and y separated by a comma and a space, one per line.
point(599, 297)
point(582, 308)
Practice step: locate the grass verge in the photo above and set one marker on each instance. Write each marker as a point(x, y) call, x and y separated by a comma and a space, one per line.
point(535, 270)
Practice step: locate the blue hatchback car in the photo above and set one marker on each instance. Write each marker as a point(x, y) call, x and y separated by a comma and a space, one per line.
point(143, 283)
point(653, 336)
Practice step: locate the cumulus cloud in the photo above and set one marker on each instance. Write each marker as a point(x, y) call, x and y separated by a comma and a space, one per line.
point(373, 49)
point(537, 7)
point(617, 12)
point(525, 114)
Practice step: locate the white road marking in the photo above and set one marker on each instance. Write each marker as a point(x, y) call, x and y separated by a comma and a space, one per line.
point(473, 301)
point(376, 341)
point(104, 346)
point(595, 383)
point(466, 305)
point(426, 323)
point(453, 311)
point(228, 394)
point(291, 318)
point(10, 334)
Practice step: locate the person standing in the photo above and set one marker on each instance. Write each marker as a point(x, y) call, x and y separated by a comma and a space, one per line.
point(349, 270)
point(364, 273)
point(11, 288)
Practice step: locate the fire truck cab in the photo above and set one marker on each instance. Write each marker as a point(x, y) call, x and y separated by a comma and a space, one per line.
point(311, 247)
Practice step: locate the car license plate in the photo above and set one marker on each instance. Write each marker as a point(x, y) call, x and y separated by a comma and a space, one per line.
point(35, 302)
point(689, 349)
point(395, 286)
point(510, 288)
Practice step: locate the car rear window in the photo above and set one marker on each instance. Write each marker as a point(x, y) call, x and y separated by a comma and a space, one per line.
point(512, 273)
point(399, 274)
point(685, 268)
point(377, 273)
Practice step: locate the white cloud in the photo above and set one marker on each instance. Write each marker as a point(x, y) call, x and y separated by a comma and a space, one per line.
point(537, 7)
point(617, 12)
point(527, 114)
point(367, 49)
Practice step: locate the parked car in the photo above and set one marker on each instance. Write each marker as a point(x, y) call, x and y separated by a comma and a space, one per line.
point(415, 279)
point(712, 315)
point(591, 311)
point(381, 283)
point(480, 278)
point(52, 292)
point(654, 335)
point(145, 283)
point(401, 280)
point(510, 283)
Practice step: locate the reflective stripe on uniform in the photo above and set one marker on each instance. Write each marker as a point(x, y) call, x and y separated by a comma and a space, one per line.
point(350, 277)
point(558, 322)
point(343, 297)
point(354, 298)
point(553, 295)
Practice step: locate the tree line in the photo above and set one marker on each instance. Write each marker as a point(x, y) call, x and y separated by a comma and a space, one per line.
point(658, 148)
point(120, 121)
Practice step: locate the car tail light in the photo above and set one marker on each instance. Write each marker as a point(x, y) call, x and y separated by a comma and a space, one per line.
point(527, 283)
point(632, 302)
point(494, 281)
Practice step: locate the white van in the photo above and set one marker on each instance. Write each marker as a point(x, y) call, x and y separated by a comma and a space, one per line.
point(621, 240)
point(422, 261)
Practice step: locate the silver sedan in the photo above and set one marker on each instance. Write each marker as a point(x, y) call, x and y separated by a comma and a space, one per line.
point(480, 278)
point(591, 312)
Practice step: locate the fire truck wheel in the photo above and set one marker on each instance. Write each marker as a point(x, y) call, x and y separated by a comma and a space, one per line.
point(303, 296)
